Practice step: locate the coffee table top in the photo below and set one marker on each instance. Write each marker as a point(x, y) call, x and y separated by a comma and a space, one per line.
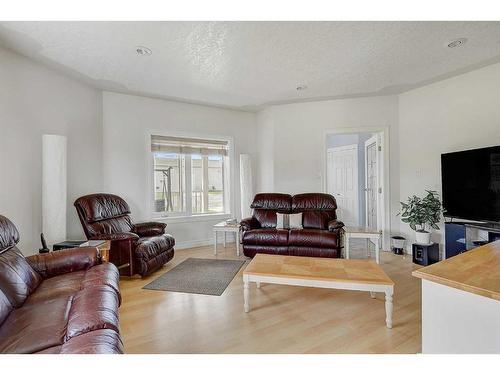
point(326, 269)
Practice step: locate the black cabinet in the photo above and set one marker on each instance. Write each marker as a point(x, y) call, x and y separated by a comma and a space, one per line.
point(425, 254)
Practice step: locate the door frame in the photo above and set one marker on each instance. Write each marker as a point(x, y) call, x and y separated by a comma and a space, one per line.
point(384, 175)
point(374, 139)
point(353, 147)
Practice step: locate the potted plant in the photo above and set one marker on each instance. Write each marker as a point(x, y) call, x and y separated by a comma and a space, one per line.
point(422, 215)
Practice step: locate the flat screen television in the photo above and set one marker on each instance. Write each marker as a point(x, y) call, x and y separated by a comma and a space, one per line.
point(471, 184)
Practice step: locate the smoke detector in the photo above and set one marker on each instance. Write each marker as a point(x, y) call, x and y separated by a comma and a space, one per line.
point(457, 43)
point(143, 51)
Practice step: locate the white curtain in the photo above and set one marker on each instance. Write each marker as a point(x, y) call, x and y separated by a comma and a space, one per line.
point(246, 185)
point(54, 188)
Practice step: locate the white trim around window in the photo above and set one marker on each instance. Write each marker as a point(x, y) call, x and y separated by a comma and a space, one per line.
point(229, 176)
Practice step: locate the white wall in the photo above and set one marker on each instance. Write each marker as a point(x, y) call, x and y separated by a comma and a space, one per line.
point(455, 114)
point(265, 146)
point(34, 101)
point(126, 122)
point(298, 135)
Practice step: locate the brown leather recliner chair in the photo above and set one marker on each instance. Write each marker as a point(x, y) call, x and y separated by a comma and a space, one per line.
point(61, 302)
point(319, 237)
point(106, 217)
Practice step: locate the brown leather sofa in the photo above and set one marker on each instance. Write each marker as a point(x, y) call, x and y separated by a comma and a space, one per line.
point(60, 302)
point(320, 236)
point(107, 217)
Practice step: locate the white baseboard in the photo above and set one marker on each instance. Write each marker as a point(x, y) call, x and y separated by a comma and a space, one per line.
point(198, 243)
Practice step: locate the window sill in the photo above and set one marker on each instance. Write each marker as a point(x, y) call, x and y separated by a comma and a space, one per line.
point(193, 218)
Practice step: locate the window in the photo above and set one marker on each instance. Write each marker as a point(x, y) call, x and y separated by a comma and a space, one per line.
point(190, 175)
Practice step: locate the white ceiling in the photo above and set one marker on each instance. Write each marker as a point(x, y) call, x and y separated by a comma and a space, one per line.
point(247, 65)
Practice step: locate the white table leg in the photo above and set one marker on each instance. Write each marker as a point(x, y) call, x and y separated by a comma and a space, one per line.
point(237, 235)
point(215, 242)
point(373, 295)
point(388, 308)
point(258, 284)
point(346, 246)
point(377, 250)
point(368, 255)
point(246, 295)
point(224, 238)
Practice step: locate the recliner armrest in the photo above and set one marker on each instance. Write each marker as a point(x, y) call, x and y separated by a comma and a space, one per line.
point(249, 223)
point(64, 261)
point(334, 225)
point(149, 229)
point(125, 236)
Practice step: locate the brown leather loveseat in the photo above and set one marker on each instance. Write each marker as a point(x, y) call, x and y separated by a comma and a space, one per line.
point(60, 302)
point(107, 217)
point(319, 237)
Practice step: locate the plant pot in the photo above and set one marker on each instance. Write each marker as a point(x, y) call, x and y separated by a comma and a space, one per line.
point(423, 238)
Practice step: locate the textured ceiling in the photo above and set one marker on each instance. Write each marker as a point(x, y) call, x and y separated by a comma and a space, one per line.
point(247, 65)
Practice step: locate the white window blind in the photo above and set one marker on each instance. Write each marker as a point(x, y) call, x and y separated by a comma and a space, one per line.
point(188, 146)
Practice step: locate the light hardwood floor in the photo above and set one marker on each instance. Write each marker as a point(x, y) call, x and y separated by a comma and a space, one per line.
point(283, 319)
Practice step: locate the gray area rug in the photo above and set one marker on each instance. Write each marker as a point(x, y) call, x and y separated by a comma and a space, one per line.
point(199, 276)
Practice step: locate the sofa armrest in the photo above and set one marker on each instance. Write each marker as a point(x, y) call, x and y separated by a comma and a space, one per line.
point(149, 229)
point(125, 236)
point(334, 225)
point(64, 261)
point(249, 223)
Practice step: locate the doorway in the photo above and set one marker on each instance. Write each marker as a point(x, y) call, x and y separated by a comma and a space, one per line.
point(342, 182)
point(354, 177)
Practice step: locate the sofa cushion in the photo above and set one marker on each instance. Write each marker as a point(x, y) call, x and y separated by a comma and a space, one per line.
point(93, 309)
point(313, 238)
point(120, 224)
point(102, 341)
point(9, 235)
point(149, 247)
point(33, 328)
point(272, 201)
point(5, 307)
point(313, 201)
point(317, 219)
point(252, 250)
point(97, 207)
point(266, 218)
point(313, 252)
point(17, 279)
point(71, 283)
point(52, 350)
point(57, 287)
point(266, 237)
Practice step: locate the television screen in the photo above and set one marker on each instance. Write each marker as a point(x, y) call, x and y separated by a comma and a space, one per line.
point(471, 184)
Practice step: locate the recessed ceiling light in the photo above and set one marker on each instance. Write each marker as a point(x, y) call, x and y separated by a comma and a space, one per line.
point(457, 42)
point(301, 87)
point(143, 51)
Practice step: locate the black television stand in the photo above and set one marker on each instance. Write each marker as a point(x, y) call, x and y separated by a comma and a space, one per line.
point(461, 236)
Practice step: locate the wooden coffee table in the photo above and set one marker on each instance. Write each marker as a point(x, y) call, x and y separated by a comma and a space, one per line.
point(348, 274)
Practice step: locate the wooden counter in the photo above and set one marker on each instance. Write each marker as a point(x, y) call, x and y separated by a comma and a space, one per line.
point(476, 271)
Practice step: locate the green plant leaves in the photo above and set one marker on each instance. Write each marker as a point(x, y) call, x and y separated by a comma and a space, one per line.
point(419, 212)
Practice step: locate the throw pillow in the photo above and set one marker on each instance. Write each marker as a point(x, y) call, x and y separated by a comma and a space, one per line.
point(295, 221)
point(282, 221)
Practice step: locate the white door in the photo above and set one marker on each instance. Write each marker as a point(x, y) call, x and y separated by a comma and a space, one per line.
point(371, 182)
point(342, 181)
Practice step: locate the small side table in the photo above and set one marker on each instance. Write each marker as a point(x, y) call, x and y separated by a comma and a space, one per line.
point(363, 232)
point(224, 227)
point(122, 261)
